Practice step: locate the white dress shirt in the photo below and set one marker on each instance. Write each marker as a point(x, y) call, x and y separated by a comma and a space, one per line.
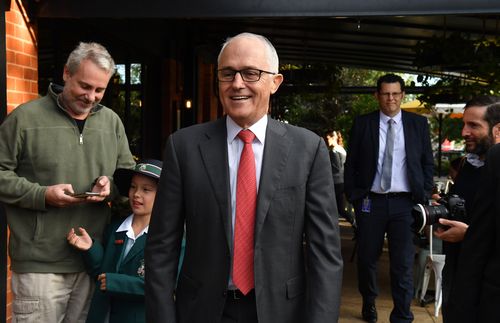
point(399, 178)
point(131, 238)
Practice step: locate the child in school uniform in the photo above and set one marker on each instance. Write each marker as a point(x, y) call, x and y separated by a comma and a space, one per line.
point(118, 264)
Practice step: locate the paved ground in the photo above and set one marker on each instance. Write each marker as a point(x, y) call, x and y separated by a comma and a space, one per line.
point(351, 299)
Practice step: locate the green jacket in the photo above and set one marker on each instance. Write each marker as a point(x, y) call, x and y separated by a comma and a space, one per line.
point(40, 145)
point(124, 295)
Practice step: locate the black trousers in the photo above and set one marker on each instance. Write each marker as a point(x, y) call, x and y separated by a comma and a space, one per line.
point(389, 214)
point(240, 308)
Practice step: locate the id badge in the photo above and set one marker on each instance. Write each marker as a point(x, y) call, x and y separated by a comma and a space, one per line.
point(366, 205)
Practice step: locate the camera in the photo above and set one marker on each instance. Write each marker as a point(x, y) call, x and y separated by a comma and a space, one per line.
point(451, 207)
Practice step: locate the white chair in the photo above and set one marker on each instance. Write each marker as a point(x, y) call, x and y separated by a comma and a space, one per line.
point(435, 262)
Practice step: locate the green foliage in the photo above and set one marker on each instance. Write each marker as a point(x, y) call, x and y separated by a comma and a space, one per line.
point(473, 67)
point(354, 105)
point(360, 77)
point(326, 111)
point(315, 112)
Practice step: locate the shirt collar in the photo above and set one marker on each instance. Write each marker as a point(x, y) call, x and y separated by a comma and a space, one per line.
point(474, 160)
point(258, 128)
point(384, 118)
point(127, 226)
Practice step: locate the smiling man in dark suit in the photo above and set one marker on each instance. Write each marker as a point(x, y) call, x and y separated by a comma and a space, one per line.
point(389, 168)
point(245, 263)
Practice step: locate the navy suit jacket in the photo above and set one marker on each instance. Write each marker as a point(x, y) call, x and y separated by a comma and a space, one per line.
point(363, 149)
point(294, 283)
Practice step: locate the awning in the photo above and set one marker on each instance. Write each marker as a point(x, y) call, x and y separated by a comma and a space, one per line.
point(278, 8)
point(416, 106)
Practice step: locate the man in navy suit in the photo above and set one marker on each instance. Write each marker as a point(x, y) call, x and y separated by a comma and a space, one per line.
point(389, 168)
point(290, 282)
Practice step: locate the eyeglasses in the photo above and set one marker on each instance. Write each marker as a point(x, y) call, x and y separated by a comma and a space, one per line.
point(395, 95)
point(248, 74)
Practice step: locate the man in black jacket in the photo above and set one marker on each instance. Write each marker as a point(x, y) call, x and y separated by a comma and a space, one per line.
point(475, 132)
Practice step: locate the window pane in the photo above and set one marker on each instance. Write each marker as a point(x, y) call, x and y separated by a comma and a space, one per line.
point(135, 73)
point(120, 70)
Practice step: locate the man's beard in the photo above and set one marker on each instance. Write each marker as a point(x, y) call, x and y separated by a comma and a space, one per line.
point(482, 146)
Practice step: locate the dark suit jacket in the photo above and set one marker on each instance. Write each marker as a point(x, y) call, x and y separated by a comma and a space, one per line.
point(295, 200)
point(124, 295)
point(362, 156)
point(475, 294)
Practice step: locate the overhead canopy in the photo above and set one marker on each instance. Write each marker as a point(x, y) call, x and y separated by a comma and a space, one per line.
point(277, 8)
point(372, 34)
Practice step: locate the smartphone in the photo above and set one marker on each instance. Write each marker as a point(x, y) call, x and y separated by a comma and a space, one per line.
point(84, 194)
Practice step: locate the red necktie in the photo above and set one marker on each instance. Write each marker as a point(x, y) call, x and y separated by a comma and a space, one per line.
point(246, 199)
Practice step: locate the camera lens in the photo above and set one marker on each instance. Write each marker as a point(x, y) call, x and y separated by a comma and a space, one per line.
point(427, 215)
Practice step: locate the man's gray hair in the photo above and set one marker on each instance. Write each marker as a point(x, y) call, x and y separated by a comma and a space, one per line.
point(94, 52)
point(272, 55)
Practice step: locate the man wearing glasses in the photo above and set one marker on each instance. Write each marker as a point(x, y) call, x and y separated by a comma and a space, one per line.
point(389, 168)
point(248, 190)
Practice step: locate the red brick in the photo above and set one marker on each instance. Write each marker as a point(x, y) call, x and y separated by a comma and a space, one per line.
point(9, 297)
point(29, 96)
point(10, 108)
point(34, 87)
point(11, 56)
point(14, 98)
point(14, 44)
point(12, 16)
point(10, 29)
point(11, 83)
point(22, 59)
point(30, 49)
point(15, 71)
point(22, 33)
point(9, 314)
point(23, 85)
point(34, 62)
point(30, 74)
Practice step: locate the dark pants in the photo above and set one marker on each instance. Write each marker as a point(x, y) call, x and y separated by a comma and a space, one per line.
point(240, 308)
point(448, 274)
point(389, 214)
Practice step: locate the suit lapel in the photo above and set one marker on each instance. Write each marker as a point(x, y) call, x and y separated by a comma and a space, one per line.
point(214, 154)
point(375, 134)
point(407, 131)
point(119, 243)
point(275, 157)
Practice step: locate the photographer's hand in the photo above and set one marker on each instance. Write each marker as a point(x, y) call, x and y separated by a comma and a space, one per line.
point(454, 233)
point(435, 197)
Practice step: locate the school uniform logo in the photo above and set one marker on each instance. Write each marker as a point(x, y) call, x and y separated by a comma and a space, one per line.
point(141, 270)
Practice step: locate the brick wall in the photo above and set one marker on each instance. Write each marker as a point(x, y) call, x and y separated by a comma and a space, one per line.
point(21, 56)
point(22, 73)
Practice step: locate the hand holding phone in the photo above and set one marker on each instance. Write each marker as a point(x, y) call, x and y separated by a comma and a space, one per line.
point(83, 195)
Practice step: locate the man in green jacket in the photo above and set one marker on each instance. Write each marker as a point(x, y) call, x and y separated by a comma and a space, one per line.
point(50, 149)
